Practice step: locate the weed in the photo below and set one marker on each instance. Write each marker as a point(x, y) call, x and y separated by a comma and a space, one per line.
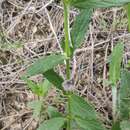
point(78, 113)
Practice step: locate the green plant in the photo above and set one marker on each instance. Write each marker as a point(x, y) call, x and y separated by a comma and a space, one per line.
point(115, 67)
point(78, 113)
point(121, 98)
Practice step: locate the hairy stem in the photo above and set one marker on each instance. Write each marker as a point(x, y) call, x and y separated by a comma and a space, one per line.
point(66, 30)
point(67, 51)
point(69, 115)
point(128, 15)
point(114, 102)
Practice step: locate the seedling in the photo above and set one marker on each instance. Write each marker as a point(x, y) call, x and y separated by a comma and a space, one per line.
point(79, 113)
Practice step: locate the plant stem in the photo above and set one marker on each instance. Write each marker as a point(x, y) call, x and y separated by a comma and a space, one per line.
point(128, 15)
point(66, 29)
point(67, 51)
point(114, 102)
point(69, 115)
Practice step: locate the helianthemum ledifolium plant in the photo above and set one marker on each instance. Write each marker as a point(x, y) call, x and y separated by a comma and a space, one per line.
point(79, 114)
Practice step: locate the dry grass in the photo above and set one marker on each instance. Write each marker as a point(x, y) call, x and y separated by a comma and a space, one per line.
point(33, 28)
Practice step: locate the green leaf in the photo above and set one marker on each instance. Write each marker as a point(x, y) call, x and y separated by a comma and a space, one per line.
point(84, 113)
point(46, 85)
point(83, 4)
point(53, 112)
point(52, 124)
point(116, 126)
point(89, 124)
point(54, 78)
point(44, 64)
point(115, 63)
point(125, 125)
point(39, 89)
point(125, 95)
point(37, 107)
point(34, 87)
point(80, 27)
point(79, 107)
point(128, 15)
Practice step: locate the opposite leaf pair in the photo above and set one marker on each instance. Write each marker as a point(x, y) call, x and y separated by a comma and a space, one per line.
point(83, 116)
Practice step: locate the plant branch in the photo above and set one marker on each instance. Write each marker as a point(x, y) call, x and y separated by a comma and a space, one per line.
point(67, 51)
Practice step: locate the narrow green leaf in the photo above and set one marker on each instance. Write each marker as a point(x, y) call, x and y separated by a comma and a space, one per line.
point(89, 124)
point(54, 78)
point(83, 4)
point(53, 112)
point(115, 63)
point(125, 125)
point(52, 124)
point(37, 107)
point(80, 27)
point(79, 107)
point(125, 95)
point(44, 64)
